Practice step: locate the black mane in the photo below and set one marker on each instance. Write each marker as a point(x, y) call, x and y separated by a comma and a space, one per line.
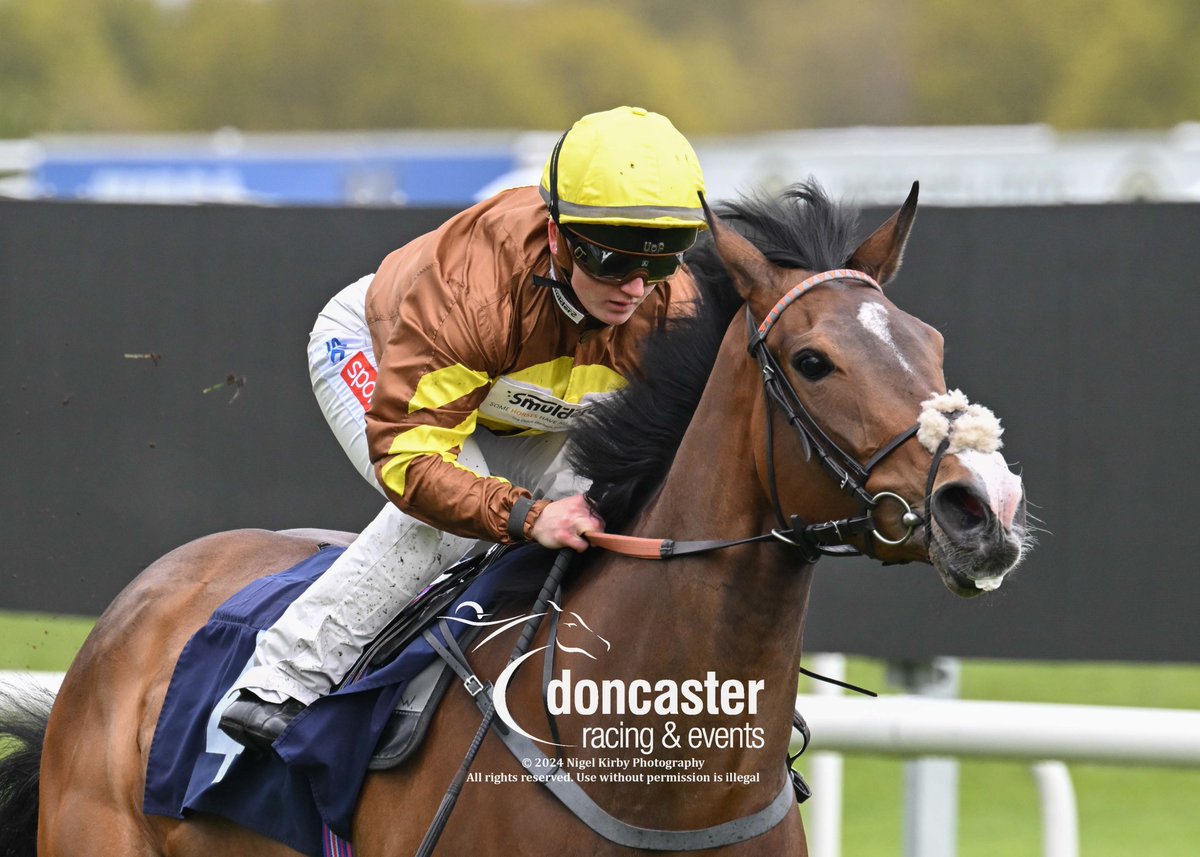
point(626, 444)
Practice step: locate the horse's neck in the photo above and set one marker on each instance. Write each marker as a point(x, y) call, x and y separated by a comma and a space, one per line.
point(737, 612)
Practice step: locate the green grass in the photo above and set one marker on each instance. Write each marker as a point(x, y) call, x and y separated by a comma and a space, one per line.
point(40, 642)
point(1122, 811)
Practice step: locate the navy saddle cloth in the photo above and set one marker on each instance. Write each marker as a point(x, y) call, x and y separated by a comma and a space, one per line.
point(323, 756)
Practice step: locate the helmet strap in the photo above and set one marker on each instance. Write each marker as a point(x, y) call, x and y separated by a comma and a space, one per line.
point(562, 254)
point(554, 179)
point(568, 302)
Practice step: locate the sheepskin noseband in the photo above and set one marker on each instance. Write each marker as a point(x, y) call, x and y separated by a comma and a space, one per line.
point(951, 417)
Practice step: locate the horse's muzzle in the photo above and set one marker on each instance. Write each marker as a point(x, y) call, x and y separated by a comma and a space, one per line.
point(977, 533)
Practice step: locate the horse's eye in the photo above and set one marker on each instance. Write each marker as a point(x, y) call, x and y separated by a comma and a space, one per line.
point(812, 365)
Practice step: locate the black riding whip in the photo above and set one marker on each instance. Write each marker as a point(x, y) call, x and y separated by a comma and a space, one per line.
point(535, 620)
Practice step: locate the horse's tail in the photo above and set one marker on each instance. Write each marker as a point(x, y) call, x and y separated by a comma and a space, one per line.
point(24, 713)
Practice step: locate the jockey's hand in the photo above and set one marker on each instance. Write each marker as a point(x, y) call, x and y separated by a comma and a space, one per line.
point(563, 523)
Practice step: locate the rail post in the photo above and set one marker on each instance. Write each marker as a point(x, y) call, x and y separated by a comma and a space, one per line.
point(930, 783)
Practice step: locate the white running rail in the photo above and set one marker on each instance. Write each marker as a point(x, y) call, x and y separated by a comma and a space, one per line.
point(51, 681)
point(909, 726)
point(915, 726)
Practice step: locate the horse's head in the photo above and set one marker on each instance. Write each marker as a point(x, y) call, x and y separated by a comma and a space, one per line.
point(861, 383)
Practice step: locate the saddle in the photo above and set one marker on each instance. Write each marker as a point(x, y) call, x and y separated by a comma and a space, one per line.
point(415, 709)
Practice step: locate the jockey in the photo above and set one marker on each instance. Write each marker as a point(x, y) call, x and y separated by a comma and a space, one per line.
point(450, 376)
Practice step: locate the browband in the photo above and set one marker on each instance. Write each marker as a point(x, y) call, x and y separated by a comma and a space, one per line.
point(798, 290)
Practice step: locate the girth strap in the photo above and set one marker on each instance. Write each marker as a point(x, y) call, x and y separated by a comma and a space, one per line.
point(538, 766)
point(452, 654)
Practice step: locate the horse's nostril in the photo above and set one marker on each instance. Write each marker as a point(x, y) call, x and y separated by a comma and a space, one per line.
point(959, 508)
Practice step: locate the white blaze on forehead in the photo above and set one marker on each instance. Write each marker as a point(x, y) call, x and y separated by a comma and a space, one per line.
point(874, 317)
point(1003, 486)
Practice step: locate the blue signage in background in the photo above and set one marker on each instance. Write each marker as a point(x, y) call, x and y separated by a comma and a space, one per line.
point(352, 178)
point(999, 165)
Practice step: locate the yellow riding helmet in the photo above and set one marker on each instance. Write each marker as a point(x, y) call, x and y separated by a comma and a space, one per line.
point(624, 167)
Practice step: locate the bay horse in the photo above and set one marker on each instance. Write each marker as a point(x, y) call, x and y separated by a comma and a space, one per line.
point(811, 442)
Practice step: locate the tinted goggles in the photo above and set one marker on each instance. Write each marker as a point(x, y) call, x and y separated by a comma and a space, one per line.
point(619, 266)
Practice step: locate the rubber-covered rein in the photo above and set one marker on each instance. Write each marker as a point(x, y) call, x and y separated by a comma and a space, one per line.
point(639, 547)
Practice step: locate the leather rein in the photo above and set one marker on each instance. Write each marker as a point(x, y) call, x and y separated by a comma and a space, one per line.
point(811, 540)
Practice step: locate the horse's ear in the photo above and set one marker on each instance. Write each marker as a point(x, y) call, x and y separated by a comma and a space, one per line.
point(746, 265)
point(881, 254)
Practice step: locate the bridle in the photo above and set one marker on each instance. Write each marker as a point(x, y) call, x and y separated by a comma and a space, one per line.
point(832, 537)
point(812, 540)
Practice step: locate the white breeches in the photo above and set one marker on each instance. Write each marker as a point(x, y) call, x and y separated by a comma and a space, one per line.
point(322, 634)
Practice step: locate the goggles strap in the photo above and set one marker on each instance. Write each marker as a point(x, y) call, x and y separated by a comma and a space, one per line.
point(567, 301)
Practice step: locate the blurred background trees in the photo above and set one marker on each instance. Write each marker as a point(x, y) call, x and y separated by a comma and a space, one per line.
point(714, 66)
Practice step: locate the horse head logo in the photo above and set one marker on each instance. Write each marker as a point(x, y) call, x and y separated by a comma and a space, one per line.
point(574, 636)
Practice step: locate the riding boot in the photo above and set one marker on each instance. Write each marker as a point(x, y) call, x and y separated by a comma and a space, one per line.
point(255, 723)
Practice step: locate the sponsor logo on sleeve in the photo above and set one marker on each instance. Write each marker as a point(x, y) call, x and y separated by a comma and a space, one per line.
point(359, 375)
point(336, 349)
